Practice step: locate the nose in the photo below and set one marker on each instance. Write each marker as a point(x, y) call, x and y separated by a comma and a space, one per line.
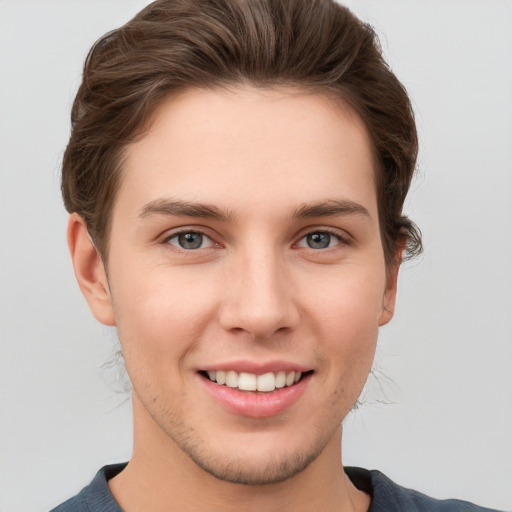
point(259, 296)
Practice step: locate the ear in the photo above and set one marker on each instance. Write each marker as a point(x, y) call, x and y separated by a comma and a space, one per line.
point(389, 299)
point(89, 270)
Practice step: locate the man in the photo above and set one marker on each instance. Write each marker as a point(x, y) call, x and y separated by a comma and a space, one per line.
point(235, 180)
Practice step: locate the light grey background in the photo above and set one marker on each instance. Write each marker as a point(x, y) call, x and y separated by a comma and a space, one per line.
point(446, 359)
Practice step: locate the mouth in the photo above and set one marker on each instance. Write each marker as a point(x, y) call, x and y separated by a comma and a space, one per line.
point(261, 393)
point(264, 383)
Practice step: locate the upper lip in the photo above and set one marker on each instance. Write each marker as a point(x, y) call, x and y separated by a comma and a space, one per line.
point(258, 368)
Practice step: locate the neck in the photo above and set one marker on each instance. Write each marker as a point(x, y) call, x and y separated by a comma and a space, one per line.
point(160, 476)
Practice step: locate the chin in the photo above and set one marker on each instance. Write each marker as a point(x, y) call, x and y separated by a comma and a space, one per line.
point(247, 471)
point(253, 460)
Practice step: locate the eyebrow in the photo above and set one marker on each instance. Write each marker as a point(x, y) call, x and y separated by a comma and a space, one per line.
point(330, 207)
point(183, 208)
point(324, 208)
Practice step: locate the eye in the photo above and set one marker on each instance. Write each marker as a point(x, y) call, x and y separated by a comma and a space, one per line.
point(190, 240)
point(319, 240)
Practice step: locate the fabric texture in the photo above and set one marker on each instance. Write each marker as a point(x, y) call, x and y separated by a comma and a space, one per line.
point(386, 495)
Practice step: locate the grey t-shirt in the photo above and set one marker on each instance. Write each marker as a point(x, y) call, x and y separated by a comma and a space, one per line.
point(386, 495)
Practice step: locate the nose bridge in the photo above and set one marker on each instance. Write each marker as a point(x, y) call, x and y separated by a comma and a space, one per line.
point(259, 301)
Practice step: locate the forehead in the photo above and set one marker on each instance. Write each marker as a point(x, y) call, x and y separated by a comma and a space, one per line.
point(242, 145)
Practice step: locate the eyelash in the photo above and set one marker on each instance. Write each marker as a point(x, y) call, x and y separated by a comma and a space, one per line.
point(177, 234)
point(341, 240)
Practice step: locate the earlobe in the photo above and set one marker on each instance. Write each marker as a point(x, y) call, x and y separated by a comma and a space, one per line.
point(388, 306)
point(389, 299)
point(89, 270)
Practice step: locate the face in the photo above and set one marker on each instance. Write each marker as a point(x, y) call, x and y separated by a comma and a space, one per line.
point(246, 278)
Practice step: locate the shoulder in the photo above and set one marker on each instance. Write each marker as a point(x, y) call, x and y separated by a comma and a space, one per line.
point(77, 503)
point(96, 497)
point(387, 495)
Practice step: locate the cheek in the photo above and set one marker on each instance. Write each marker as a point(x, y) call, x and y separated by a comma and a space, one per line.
point(159, 315)
point(350, 300)
point(346, 317)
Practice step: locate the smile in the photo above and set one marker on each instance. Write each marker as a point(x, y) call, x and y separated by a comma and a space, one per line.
point(257, 395)
point(245, 381)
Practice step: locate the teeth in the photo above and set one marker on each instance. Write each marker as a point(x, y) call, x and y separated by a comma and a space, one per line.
point(247, 382)
point(266, 382)
point(280, 379)
point(231, 379)
point(252, 382)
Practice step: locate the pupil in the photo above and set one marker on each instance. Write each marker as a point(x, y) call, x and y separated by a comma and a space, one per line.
point(319, 240)
point(190, 240)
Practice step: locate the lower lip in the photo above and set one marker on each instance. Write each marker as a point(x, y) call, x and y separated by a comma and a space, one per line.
point(253, 404)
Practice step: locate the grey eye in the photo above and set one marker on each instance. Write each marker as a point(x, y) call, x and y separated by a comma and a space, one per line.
point(318, 240)
point(190, 240)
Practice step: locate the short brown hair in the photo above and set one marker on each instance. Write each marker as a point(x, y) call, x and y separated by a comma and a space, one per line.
point(172, 45)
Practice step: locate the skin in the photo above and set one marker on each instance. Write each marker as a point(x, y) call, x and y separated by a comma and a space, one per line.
point(255, 290)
